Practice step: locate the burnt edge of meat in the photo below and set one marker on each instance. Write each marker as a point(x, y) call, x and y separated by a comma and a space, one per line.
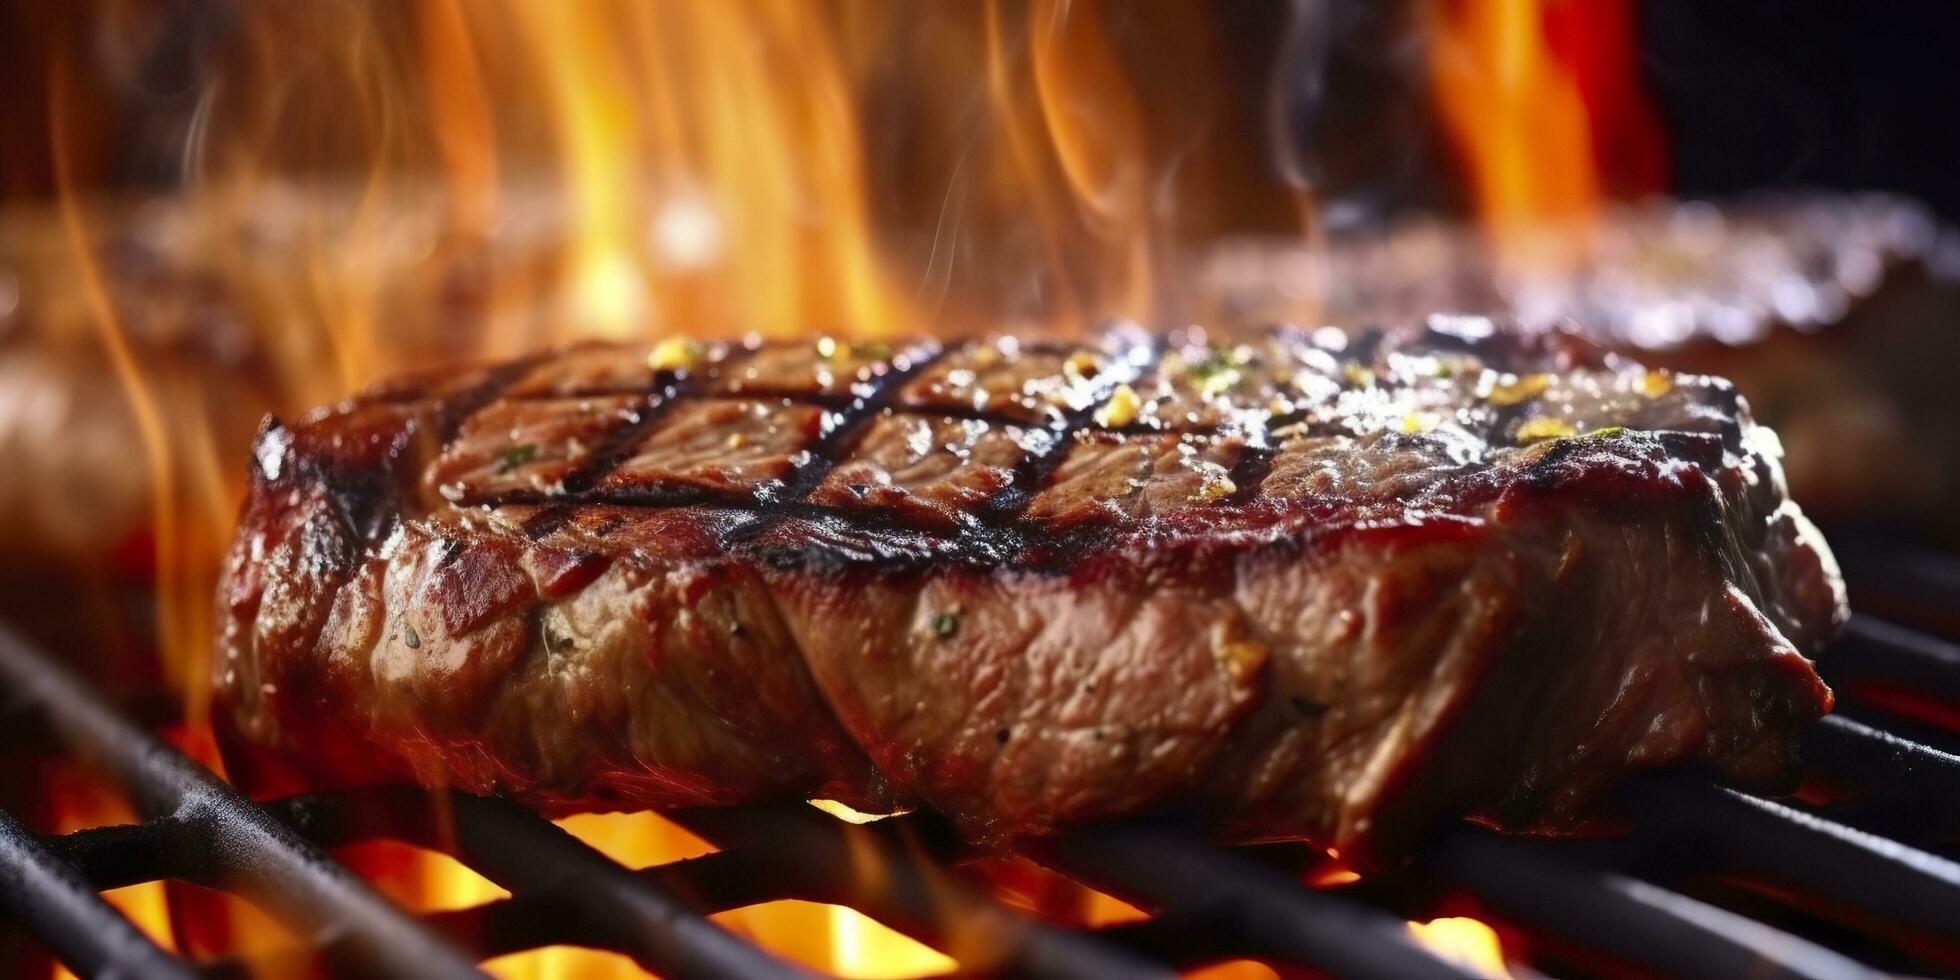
point(1500, 567)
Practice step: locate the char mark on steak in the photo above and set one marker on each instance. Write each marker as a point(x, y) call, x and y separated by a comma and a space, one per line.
point(1312, 585)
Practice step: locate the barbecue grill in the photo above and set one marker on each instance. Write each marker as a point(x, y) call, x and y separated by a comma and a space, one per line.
point(318, 185)
point(1692, 878)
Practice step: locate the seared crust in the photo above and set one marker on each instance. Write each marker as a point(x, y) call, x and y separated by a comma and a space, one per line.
point(1317, 585)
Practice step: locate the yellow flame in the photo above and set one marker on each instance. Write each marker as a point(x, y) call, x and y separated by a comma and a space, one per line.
point(1466, 942)
point(182, 626)
point(1518, 121)
point(1076, 156)
point(864, 949)
point(1234, 970)
point(593, 102)
point(824, 937)
point(79, 803)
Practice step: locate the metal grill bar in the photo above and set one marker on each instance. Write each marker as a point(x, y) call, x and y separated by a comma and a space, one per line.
point(1850, 868)
point(53, 900)
point(797, 855)
point(256, 855)
point(531, 920)
point(1901, 580)
point(1632, 920)
point(525, 853)
point(1877, 651)
point(879, 870)
point(1908, 790)
point(113, 857)
point(1271, 915)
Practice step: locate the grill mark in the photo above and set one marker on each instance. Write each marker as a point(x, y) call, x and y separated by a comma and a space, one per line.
point(609, 454)
point(1005, 508)
point(1249, 474)
point(855, 417)
point(830, 448)
point(368, 506)
point(663, 381)
point(457, 410)
point(971, 414)
point(547, 520)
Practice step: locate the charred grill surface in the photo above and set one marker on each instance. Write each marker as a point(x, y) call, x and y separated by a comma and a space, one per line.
point(1316, 585)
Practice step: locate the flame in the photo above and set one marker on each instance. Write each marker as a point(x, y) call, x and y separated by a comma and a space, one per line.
point(862, 948)
point(1465, 941)
point(1076, 150)
point(593, 111)
point(182, 615)
point(1543, 103)
point(525, 174)
point(825, 937)
point(1515, 115)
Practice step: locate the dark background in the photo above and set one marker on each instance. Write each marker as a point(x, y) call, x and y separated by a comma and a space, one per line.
point(1824, 93)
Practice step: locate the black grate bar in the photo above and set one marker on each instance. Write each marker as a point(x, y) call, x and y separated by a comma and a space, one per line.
point(1853, 747)
point(881, 870)
point(254, 854)
point(524, 853)
point(1908, 790)
point(1850, 868)
point(1626, 918)
point(1901, 580)
point(534, 919)
point(1172, 874)
point(55, 902)
point(113, 857)
point(1877, 651)
point(796, 853)
point(1184, 941)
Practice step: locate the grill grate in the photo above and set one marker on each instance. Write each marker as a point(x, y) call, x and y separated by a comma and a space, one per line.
point(1709, 881)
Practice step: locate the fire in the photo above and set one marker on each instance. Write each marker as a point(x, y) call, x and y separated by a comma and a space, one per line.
point(1543, 104)
point(1516, 116)
point(825, 937)
point(1466, 942)
point(861, 948)
point(600, 170)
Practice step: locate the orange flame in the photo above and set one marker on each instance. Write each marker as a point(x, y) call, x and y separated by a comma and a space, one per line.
point(1545, 108)
point(1516, 117)
point(183, 624)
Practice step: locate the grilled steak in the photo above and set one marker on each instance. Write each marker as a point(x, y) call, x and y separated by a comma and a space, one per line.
point(1318, 585)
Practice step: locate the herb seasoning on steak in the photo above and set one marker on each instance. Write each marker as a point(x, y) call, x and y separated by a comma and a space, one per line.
point(1316, 585)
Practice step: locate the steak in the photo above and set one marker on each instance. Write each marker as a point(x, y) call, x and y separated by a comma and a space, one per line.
point(1315, 584)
